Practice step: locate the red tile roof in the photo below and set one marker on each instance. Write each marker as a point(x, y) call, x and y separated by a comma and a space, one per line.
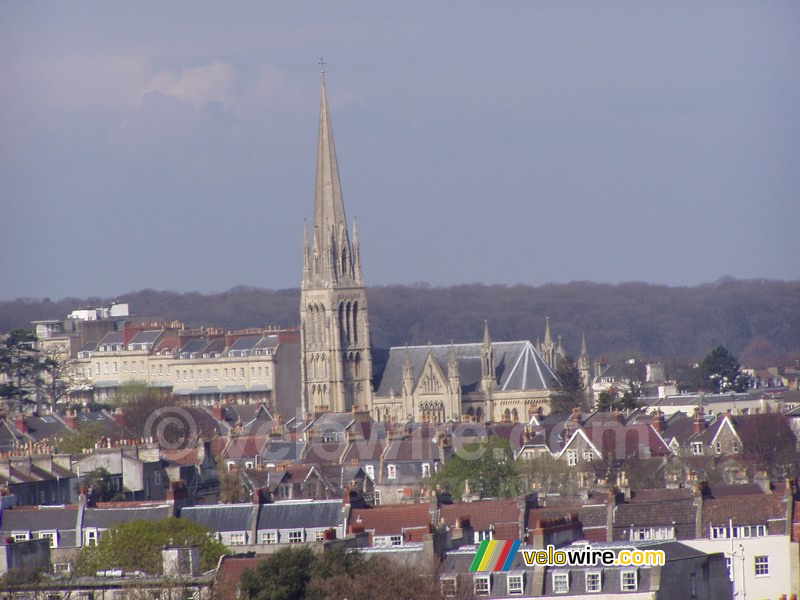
point(394, 519)
point(753, 509)
point(484, 514)
point(230, 574)
point(246, 446)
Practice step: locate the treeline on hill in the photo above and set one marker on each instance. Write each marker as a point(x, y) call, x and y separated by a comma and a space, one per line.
point(756, 319)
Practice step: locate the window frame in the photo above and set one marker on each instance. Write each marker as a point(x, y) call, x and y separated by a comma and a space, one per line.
point(295, 536)
point(482, 584)
point(268, 538)
point(761, 563)
point(518, 587)
point(561, 582)
point(628, 587)
point(51, 534)
point(599, 576)
point(449, 586)
point(237, 538)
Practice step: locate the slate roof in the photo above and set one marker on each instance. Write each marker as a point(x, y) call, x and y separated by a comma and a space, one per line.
point(215, 346)
point(267, 341)
point(278, 450)
point(301, 514)
point(518, 366)
point(146, 337)
point(38, 518)
point(220, 517)
point(104, 518)
point(679, 426)
point(112, 337)
point(192, 347)
point(44, 427)
point(10, 436)
point(364, 451)
point(246, 412)
point(458, 563)
point(245, 344)
point(412, 448)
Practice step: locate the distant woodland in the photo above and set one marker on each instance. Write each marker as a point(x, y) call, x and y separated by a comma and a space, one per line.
point(757, 320)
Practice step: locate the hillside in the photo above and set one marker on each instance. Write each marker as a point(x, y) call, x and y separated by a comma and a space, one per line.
point(756, 319)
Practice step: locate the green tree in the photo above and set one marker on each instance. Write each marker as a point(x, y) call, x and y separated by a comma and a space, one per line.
point(59, 372)
point(136, 546)
point(283, 575)
point(21, 365)
point(769, 441)
point(720, 372)
point(488, 467)
point(300, 573)
point(84, 437)
point(547, 473)
point(572, 392)
point(616, 398)
point(100, 485)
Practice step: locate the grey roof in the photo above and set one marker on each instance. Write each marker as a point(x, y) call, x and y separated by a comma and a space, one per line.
point(233, 389)
point(192, 347)
point(44, 427)
point(246, 343)
point(214, 346)
point(113, 337)
point(700, 399)
point(42, 518)
point(268, 341)
point(518, 366)
point(276, 451)
point(104, 518)
point(288, 515)
point(146, 337)
point(220, 517)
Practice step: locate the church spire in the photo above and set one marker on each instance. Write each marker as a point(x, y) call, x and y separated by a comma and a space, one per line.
point(356, 252)
point(306, 265)
point(336, 361)
point(329, 215)
point(548, 338)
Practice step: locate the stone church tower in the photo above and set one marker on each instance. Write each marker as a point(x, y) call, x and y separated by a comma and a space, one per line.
point(336, 364)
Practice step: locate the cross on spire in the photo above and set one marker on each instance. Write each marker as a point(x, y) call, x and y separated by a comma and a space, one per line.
point(322, 65)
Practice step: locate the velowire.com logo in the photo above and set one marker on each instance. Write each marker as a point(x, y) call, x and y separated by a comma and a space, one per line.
point(495, 555)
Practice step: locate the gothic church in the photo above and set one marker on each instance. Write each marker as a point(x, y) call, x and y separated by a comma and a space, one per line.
point(488, 381)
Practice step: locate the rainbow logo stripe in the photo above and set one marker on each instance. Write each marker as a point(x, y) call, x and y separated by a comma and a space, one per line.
point(495, 555)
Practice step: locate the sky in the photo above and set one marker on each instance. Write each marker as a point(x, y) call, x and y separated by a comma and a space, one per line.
point(171, 145)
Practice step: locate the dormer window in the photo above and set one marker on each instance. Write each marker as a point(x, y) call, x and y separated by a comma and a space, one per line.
point(560, 583)
point(593, 581)
point(697, 448)
point(391, 471)
point(628, 581)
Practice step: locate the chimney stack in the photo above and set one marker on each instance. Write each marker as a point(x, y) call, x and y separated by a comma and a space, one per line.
point(658, 421)
point(22, 424)
point(699, 421)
